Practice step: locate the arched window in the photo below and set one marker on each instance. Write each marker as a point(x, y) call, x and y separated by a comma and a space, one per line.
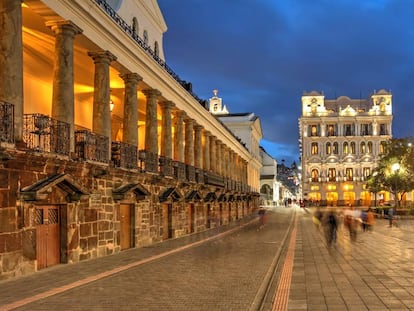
point(349, 174)
point(134, 25)
point(335, 148)
point(145, 37)
point(352, 147)
point(314, 148)
point(332, 174)
point(315, 175)
point(328, 148)
point(363, 148)
point(369, 147)
point(382, 147)
point(346, 149)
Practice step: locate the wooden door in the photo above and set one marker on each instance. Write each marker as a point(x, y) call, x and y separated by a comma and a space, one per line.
point(47, 219)
point(167, 231)
point(190, 218)
point(125, 224)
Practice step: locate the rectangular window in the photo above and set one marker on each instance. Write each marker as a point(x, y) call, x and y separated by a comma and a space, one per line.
point(332, 174)
point(331, 130)
point(383, 129)
point(348, 130)
point(366, 129)
point(349, 174)
point(367, 171)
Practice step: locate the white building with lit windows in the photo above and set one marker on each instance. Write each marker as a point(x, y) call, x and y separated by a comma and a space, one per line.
point(341, 141)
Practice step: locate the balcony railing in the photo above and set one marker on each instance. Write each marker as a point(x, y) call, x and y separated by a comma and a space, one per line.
point(166, 168)
point(191, 176)
point(42, 133)
point(179, 171)
point(6, 122)
point(91, 146)
point(148, 161)
point(124, 155)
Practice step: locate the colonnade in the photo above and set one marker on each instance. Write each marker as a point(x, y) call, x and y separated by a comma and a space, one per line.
point(181, 138)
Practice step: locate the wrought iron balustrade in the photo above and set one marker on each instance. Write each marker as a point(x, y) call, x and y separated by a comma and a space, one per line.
point(91, 146)
point(166, 167)
point(42, 133)
point(179, 171)
point(6, 122)
point(124, 155)
point(190, 173)
point(199, 175)
point(148, 161)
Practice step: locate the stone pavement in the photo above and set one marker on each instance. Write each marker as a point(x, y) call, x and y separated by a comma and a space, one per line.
point(374, 273)
point(225, 272)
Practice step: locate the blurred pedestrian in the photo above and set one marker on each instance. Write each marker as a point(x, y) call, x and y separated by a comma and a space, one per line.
point(352, 221)
point(262, 217)
point(370, 219)
point(391, 213)
point(330, 226)
point(317, 217)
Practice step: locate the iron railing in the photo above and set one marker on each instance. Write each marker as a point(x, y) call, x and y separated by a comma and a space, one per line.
point(124, 155)
point(166, 168)
point(191, 176)
point(148, 161)
point(42, 133)
point(91, 146)
point(6, 122)
point(179, 170)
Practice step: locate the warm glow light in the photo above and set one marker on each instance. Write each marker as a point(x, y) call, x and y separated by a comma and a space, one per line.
point(395, 167)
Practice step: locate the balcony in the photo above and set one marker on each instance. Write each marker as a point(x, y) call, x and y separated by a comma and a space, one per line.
point(42, 133)
point(166, 168)
point(6, 122)
point(91, 147)
point(124, 155)
point(148, 161)
point(179, 170)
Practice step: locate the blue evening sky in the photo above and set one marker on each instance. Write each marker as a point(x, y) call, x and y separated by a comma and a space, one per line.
point(263, 54)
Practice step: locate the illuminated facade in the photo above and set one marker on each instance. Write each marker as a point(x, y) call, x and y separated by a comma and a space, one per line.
point(341, 141)
point(102, 146)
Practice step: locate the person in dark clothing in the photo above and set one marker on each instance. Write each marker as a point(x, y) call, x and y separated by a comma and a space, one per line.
point(330, 225)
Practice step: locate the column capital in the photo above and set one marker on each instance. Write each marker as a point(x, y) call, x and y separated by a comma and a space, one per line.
point(166, 104)
point(151, 93)
point(64, 26)
point(102, 56)
point(198, 127)
point(130, 77)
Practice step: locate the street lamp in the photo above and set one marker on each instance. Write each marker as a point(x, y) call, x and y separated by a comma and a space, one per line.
point(396, 169)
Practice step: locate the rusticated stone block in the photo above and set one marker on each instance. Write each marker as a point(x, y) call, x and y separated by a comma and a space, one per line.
point(29, 244)
point(85, 230)
point(10, 242)
point(92, 242)
point(11, 261)
point(73, 238)
point(90, 215)
point(8, 220)
point(104, 225)
point(4, 179)
point(83, 244)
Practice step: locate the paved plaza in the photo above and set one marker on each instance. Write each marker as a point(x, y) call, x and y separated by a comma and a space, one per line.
point(225, 269)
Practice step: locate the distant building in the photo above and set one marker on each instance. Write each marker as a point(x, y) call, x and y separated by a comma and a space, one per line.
point(269, 185)
point(341, 141)
point(247, 128)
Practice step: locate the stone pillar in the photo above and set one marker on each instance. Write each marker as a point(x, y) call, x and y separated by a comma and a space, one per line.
point(198, 147)
point(218, 157)
point(213, 154)
point(166, 129)
point(101, 122)
point(11, 60)
point(63, 99)
point(130, 122)
point(151, 123)
point(206, 155)
point(189, 142)
point(179, 136)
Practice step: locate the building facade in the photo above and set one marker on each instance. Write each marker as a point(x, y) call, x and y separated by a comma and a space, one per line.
point(341, 141)
point(102, 146)
point(269, 185)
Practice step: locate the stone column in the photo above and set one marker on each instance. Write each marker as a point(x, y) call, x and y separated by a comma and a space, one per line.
point(63, 99)
point(213, 154)
point(151, 123)
point(166, 129)
point(218, 157)
point(130, 122)
point(11, 60)
point(206, 156)
point(179, 136)
point(189, 141)
point(101, 122)
point(198, 147)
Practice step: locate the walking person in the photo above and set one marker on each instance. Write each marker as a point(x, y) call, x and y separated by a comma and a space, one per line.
point(391, 213)
point(370, 220)
point(330, 225)
point(262, 218)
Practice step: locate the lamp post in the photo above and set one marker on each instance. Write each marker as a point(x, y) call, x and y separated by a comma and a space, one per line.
point(396, 168)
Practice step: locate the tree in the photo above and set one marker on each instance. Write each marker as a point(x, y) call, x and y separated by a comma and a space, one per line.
point(395, 170)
